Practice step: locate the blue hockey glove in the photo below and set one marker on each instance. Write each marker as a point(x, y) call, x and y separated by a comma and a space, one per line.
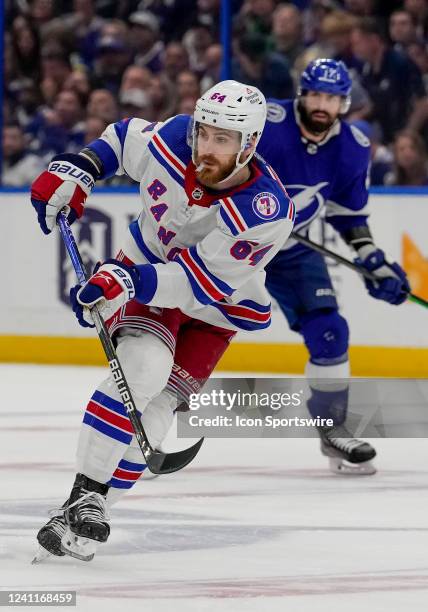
point(392, 286)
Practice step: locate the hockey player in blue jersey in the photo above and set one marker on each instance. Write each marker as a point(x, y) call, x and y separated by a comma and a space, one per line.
point(323, 163)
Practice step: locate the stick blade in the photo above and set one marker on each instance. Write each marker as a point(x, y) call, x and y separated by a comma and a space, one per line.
point(166, 463)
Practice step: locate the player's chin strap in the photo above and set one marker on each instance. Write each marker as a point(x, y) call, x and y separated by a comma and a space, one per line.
point(350, 264)
point(157, 461)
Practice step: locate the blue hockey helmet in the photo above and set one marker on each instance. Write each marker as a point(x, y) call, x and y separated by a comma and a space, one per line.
point(329, 76)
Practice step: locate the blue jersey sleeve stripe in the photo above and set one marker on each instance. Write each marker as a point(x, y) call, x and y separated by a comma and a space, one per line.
point(220, 284)
point(108, 430)
point(134, 228)
point(132, 467)
point(200, 294)
point(255, 305)
point(121, 129)
point(109, 402)
point(168, 167)
point(116, 483)
point(242, 323)
point(107, 156)
point(169, 131)
point(225, 216)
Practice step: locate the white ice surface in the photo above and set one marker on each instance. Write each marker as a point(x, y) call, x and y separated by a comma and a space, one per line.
point(254, 525)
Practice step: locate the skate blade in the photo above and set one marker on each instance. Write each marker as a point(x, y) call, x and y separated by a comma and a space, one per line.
point(77, 547)
point(344, 468)
point(41, 555)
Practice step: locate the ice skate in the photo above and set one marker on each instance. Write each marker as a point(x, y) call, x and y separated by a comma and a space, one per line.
point(86, 519)
point(49, 538)
point(347, 455)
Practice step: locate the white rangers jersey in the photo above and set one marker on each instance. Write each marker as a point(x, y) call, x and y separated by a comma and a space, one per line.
point(207, 249)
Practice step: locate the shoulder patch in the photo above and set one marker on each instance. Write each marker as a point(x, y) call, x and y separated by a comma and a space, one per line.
point(266, 205)
point(359, 136)
point(275, 112)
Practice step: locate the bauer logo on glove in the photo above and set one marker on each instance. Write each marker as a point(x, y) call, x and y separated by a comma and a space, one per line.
point(110, 287)
point(64, 185)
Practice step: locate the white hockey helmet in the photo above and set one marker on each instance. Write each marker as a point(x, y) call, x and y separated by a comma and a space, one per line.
point(231, 106)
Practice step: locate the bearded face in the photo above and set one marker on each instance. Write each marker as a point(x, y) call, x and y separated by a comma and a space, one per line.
point(214, 169)
point(216, 154)
point(318, 111)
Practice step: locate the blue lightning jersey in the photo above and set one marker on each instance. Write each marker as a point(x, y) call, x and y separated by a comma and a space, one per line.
point(329, 175)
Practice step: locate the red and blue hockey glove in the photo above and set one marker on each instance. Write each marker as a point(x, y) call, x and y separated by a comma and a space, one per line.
point(392, 286)
point(111, 286)
point(66, 183)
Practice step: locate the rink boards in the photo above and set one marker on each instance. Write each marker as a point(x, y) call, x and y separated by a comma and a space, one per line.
point(38, 326)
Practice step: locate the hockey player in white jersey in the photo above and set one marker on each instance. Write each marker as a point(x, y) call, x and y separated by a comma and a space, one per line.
point(189, 276)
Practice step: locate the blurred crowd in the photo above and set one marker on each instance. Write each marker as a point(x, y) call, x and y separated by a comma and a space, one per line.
point(71, 67)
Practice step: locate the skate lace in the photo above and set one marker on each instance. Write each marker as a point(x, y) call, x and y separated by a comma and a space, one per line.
point(57, 524)
point(345, 444)
point(92, 507)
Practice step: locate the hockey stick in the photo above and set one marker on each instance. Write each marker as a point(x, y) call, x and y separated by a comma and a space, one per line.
point(157, 462)
point(350, 264)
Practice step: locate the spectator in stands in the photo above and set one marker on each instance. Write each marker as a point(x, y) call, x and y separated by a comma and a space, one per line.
point(163, 98)
point(60, 128)
point(26, 98)
point(79, 81)
point(20, 167)
point(208, 12)
point(175, 60)
point(102, 104)
point(255, 65)
point(49, 89)
point(402, 29)
point(186, 106)
point(84, 26)
point(55, 65)
point(336, 30)
point(94, 127)
point(145, 42)
point(255, 17)
point(113, 56)
point(287, 31)
point(212, 74)
point(381, 157)
point(41, 14)
point(410, 160)
point(197, 40)
point(361, 8)
point(419, 11)
point(26, 47)
point(135, 103)
point(187, 85)
point(136, 77)
point(313, 17)
point(10, 69)
point(115, 28)
point(392, 80)
point(417, 51)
